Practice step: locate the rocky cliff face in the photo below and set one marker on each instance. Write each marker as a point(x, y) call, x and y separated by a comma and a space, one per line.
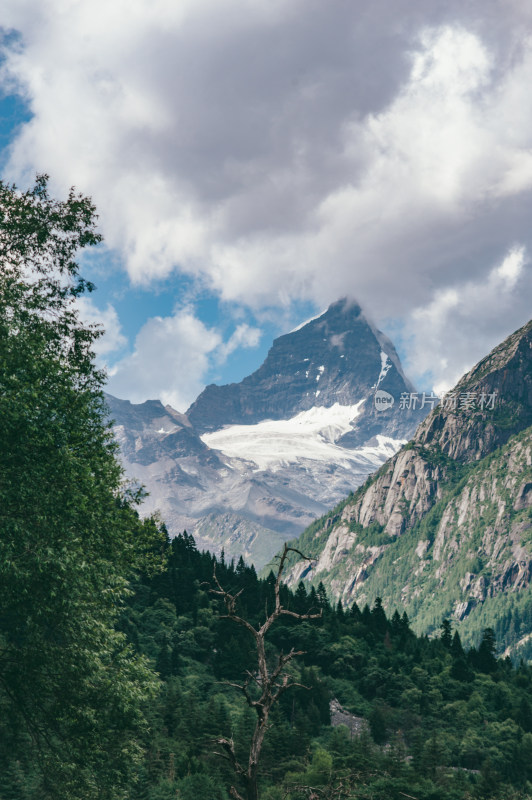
point(467, 434)
point(339, 357)
point(445, 527)
point(488, 406)
point(252, 464)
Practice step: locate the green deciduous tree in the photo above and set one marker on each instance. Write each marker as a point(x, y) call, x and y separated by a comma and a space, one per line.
point(70, 688)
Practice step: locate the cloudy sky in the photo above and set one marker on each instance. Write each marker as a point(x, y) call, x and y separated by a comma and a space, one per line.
point(254, 160)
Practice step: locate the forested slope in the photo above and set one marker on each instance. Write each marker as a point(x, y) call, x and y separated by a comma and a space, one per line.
point(439, 722)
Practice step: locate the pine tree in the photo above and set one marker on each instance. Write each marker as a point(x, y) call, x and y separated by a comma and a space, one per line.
point(457, 651)
point(379, 622)
point(301, 601)
point(432, 756)
point(366, 616)
point(396, 621)
point(323, 600)
point(313, 598)
point(485, 658)
point(446, 634)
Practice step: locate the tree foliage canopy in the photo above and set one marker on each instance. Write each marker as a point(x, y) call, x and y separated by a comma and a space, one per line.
point(411, 716)
point(70, 686)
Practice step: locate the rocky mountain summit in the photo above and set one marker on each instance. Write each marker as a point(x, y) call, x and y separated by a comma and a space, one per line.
point(444, 528)
point(338, 357)
point(252, 464)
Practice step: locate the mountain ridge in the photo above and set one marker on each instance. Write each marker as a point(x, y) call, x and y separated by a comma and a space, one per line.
point(466, 472)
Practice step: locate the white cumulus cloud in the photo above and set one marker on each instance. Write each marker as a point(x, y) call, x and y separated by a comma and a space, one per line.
point(107, 320)
point(171, 357)
point(244, 336)
point(290, 149)
point(169, 360)
point(450, 333)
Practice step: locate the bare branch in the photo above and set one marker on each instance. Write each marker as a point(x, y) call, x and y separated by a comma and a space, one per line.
point(230, 604)
point(244, 689)
point(229, 753)
point(283, 661)
point(308, 615)
point(287, 685)
point(278, 610)
point(253, 677)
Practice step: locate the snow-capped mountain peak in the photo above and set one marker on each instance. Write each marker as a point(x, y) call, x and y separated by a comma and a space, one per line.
point(252, 463)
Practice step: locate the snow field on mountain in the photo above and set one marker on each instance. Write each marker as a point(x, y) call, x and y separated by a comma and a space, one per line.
point(309, 436)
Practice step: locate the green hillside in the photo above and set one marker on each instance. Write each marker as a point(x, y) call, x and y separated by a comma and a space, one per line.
point(444, 528)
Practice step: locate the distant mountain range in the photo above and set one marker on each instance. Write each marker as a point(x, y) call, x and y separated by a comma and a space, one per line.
point(251, 464)
point(444, 528)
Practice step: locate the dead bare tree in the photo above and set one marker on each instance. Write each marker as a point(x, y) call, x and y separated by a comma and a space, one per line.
point(270, 682)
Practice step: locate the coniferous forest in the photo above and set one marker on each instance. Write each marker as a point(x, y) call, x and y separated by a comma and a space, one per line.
point(438, 722)
point(130, 665)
